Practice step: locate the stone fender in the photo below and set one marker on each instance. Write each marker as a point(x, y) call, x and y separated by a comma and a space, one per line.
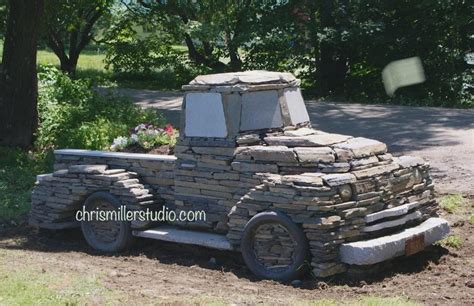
point(58, 196)
point(339, 208)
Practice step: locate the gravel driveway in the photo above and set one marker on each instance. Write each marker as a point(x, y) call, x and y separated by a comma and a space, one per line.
point(445, 137)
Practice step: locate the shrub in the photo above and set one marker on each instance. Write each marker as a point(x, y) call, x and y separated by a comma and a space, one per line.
point(471, 219)
point(17, 176)
point(73, 115)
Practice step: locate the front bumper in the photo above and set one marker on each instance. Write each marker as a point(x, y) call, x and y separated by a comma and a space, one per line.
point(376, 250)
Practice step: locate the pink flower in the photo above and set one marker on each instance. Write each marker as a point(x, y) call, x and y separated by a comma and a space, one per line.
point(169, 129)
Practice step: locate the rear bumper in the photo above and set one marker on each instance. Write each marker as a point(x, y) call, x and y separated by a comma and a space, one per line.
point(380, 249)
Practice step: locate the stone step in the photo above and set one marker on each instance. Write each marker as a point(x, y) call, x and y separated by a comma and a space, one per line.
point(380, 249)
point(174, 234)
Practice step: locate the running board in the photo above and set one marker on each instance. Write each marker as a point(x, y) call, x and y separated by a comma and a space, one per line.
point(173, 234)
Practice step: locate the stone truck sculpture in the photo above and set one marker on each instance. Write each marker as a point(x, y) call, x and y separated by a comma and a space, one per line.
point(288, 197)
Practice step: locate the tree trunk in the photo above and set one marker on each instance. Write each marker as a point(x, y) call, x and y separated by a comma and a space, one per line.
point(18, 82)
point(331, 67)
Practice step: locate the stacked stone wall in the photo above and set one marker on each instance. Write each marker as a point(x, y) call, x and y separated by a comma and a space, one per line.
point(58, 196)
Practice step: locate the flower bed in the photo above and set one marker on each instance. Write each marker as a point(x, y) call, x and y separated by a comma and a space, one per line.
point(147, 138)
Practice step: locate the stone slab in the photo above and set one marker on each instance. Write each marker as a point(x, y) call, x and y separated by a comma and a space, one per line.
point(296, 106)
point(409, 161)
point(337, 179)
point(173, 234)
point(244, 77)
point(380, 249)
point(392, 223)
point(363, 147)
point(272, 153)
point(119, 155)
point(320, 140)
point(260, 110)
point(204, 115)
point(315, 155)
point(391, 212)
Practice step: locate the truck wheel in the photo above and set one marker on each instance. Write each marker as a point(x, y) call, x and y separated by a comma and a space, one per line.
point(274, 247)
point(110, 235)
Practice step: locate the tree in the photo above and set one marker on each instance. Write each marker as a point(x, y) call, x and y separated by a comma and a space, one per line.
point(70, 25)
point(211, 29)
point(18, 82)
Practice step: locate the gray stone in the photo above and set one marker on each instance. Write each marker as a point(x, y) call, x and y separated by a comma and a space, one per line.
point(90, 169)
point(337, 179)
point(409, 161)
point(300, 132)
point(363, 147)
point(387, 224)
point(205, 115)
point(309, 155)
point(272, 153)
point(173, 234)
point(374, 171)
point(115, 155)
point(296, 106)
point(391, 212)
point(232, 109)
point(260, 110)
point(320, 140)
point(380, 249)
point(244, 77)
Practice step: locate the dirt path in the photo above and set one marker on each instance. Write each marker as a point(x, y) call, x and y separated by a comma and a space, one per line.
point(156, 272)
point(445, 137)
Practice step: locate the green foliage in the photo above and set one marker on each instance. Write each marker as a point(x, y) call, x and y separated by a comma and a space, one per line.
point(336, 47)
point(451, 203)
point(17, 177)
point(471, 219)
point(72, 115)
point(452, 241)
point(146, 57)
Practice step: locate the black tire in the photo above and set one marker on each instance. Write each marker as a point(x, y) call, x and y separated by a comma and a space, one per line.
point(121, 238)
point(300, 250)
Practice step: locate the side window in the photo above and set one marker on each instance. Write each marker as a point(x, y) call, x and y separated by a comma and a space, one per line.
point(260, 110)
point(204, 115)
point(296, 106)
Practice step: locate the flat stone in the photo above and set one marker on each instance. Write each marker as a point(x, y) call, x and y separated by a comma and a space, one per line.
point(214, 151)
point(391, 212)
point(409, 161)
point(392, 223)
point(296, 106)
point(337, 179)
point(232, 109)
point(319, 140)
point(300, 132)
point(89, 169)
point(244, 77)
point(363, 147)
point(260, 110)
point(251, 167)
point(310, 155)
point(380, 249)
point(303, 179)
point(374, 171)
point(272, 153)
point(115, 155)
point(173, 234)
point(204, 115)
